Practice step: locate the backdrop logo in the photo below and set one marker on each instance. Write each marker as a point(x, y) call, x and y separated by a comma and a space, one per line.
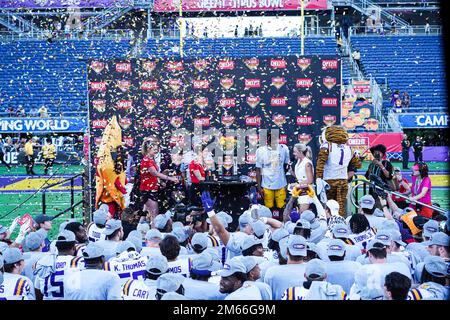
point(97, 66)
point(329, 82)
point(124, 85)
point(329, 102)
point(175, 103)
point(304, 101)
point(99, 105)
point(329, 119)
point(200, 65)
point(129, 141)
point(226, 65)
point(201, 84)
point(283, 139)
point(204, 122)
point(149, 66)
point(252, 83)
point(201, 102)
point(125, 123)
point(278, 82)
point(226, 83)
point(253, 101)
point(304, 121)
point(123, 67)
point(150, 104)
point(97, 140)
point(99, 123)
point(304, 138)
point(252, 63)
point(227, 120)
point(253, 121)
point(173, 66)
point(278, 102)
point(124, 104)
point(176, 121)
point(278, 63)
point(151, 123)
point(227, 102)
point(304, 63)
point(279, 119)
point(329, 64)
point(304, 83)
point(251, 158)
point(175, 84)
point(98, 86)
point(149, 85)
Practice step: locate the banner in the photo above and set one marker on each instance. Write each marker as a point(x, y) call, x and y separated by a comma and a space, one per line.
point(361, 86)
point(237, 5)
point(364, 141)
point(421, 120)
point(43, 4)
point(42, 125)
point(296, 95)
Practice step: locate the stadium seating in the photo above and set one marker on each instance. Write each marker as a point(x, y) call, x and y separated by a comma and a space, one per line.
point(414, 64)
point(36, 73)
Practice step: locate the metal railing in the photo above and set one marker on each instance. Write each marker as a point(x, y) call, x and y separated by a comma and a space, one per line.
point(72, 194)
point(113, 34)
point(51, 114)
point(388, 30)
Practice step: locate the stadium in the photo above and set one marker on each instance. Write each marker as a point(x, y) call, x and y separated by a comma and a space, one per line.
point(213, 122)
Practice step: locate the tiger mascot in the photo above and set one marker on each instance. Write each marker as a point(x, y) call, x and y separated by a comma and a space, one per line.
point(334, 157)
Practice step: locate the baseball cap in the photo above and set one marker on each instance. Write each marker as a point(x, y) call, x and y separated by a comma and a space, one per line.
point(396, 236)
point(309, 216)
point(180, 234)
point(279, 234)
point(162, 219)
point(66, 236)
point(158, 262)
point(153, 233)
point(204, 262)
point(3, 246)
point(135, 234)
point(294, 215)
point(251, 261)
point(137, 242)
point(214, 254)
point(259, 228)
point(336, 247)
point(111, 226)
point(284, 247)
point(93, 250)
point(169, 282)
point(340, 230)
point(333, 205)
point(375, 244)
point(264, 211)
point(200, 239)
point(378, 213)
point(244, 219)
point(289, 226)
point(125, 246)
point(33, 241)
point(223, 217)
point(389, 224)
point(12, 255)
point(42, 218)
point(430, 227)
point(231, 267)
point(100, 216)
point(367, 202)
point(297, 245)
point(436, 266)
point(302, 223)
point(250, 241)
point(315, 267)
point(3, 229)
point(384, 236)
point(437, 238)
point(173, 296)
point(368, 291)
point(177, 224)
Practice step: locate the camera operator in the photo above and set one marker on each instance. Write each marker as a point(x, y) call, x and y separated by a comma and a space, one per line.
point(381, 169)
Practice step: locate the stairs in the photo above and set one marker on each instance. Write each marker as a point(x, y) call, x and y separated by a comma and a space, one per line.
point(18, 24)
point(104, 18)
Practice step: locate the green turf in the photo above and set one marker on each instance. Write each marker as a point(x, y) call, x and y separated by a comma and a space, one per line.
point(39, 169)
point(432, 166)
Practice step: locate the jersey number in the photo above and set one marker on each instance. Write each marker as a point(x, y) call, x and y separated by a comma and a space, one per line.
point(341, 160)
point(135, 275)
point(56, 284)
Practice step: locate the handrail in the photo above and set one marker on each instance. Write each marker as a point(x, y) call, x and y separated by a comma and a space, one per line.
point(367, 182)
point(382, 30)
point(63, 181)
point(71, 208)
point(72, 195)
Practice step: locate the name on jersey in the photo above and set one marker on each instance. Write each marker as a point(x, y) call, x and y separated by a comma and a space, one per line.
point(129, 266)
point(143, 294)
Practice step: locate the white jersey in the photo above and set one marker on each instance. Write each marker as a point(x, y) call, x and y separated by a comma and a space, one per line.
point(16, 287)
point(339, 157)
point(181, 266)
point(138, 290)
point(51, 285)
point(150, 251)
point(248, 291)
point(91, 284)
point(362, 239)
point(215, 242)
point(95, 233)
point(128, 265)
point(79, 249)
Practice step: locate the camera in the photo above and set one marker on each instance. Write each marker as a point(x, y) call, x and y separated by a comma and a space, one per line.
point(377, 181)
point(181, 211)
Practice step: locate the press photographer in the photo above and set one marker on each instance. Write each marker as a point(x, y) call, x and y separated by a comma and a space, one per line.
point(379, 171)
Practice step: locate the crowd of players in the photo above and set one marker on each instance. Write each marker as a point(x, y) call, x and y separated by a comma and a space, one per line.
point(312, 252)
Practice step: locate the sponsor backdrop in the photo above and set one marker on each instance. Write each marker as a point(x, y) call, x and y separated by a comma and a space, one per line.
point(299, 96)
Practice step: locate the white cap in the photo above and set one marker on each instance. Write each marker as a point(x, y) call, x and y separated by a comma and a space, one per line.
point(333, 205)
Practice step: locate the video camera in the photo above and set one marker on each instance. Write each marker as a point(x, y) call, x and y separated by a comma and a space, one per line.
point(382, 186)
point(181, 211)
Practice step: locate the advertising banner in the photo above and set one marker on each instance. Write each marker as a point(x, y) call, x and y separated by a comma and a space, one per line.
point(364, 141)
point(44, 4)
point(42, 125)
point(423, 120)
point(361, 86)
